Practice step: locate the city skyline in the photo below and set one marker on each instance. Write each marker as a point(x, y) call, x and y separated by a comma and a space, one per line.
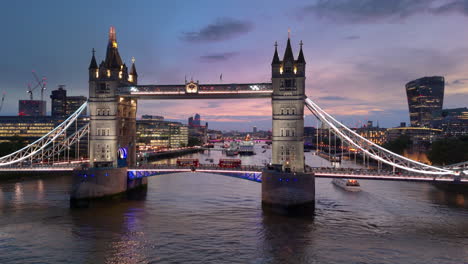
point(358, 59)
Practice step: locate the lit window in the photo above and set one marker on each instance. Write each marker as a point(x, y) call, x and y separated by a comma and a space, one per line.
point(108, 73)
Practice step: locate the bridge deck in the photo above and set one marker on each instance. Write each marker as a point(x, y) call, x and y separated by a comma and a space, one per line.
point(203, 91)
point(254, 172)
point(319, 173)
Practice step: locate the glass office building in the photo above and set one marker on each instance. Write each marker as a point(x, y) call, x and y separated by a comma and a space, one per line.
point(425, 95)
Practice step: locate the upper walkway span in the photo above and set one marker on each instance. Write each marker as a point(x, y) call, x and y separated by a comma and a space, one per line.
point(194, 90)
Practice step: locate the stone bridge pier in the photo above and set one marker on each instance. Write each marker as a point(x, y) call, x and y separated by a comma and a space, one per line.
point(285, 184)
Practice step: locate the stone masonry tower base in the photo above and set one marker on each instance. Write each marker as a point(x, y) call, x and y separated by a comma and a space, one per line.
point(289, 193)
point(285, 185)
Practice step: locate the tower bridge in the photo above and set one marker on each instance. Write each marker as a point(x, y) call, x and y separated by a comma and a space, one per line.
point(193, 90)
point(114, 93)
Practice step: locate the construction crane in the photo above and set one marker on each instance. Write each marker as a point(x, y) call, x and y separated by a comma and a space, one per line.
point(39, 83)
point(3, 100)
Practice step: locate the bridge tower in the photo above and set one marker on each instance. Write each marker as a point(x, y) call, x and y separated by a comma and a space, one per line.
point(285, 183)
point(288, 82)
point(112, 128)
point(112, 118)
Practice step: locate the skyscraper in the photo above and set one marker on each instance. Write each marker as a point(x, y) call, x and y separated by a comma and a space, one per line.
point(73, 103)
point(197, 120)
point(59, 102)
point(425, 95)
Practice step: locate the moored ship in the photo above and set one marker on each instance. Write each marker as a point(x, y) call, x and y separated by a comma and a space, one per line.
point(347, 184)
point(246, 147)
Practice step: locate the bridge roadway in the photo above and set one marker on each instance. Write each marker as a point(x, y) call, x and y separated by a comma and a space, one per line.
point(245, 171)
point(253, 173)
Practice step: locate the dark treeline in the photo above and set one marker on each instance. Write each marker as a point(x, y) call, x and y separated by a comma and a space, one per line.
point(449, 151)
point(11, 146)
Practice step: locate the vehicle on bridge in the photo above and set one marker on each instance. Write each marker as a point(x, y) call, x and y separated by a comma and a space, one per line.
point(230, 163)
point(188, 163)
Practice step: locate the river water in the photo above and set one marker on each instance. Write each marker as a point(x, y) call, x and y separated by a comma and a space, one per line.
point(202, 218)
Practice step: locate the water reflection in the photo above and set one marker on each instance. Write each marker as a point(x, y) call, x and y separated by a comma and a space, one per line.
point(451, 199)
point(113, 231)
point(40, 194)
point(296, 243)
point(18, 198)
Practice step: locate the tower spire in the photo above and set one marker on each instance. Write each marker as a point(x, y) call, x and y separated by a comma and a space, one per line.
point(288, 54)
point(113, 60)
point(300, 58)
point(112, 37)
point(275, 56)
point(93, 64)
point(133, 69)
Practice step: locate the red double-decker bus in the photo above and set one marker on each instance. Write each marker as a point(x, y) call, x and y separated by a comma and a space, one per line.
point(188, 162)
point(229, 163)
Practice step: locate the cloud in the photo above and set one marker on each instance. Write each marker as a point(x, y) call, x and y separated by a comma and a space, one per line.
point(333, 98)
point(370, 11)
point(221, 29)
point(365, 11)
point(215, 57)
point(456, 6)
point(211, 105)
point(352, 37)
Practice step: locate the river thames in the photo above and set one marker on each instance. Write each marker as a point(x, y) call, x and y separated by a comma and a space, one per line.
point(202, 218)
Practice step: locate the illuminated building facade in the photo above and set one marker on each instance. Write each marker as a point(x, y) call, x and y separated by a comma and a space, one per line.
point(59, 102)
point(63, 105)
point(73, 103)
point(157, 134)
point(424, 95)
point(373, 133)
point(28, 128)
point(453, 122)
point(420, 136)
point(32, 108)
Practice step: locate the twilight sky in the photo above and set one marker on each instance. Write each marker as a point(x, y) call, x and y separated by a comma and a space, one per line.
point(359, 53)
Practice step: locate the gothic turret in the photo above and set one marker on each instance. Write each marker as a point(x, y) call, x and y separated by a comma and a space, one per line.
point(113, 60)
point(276, 59)
point(300, 58)
point(133, 75)
point(93, 64)
point(93, 68)
point(288, 54)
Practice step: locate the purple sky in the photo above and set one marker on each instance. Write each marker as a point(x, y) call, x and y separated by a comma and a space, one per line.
point(359, 53)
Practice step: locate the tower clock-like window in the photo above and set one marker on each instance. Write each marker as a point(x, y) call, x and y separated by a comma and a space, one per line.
point(290, 84)
point(103, 88)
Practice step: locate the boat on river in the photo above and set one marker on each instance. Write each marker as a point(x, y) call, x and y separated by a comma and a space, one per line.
point(246, 147)
point(347, 184)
